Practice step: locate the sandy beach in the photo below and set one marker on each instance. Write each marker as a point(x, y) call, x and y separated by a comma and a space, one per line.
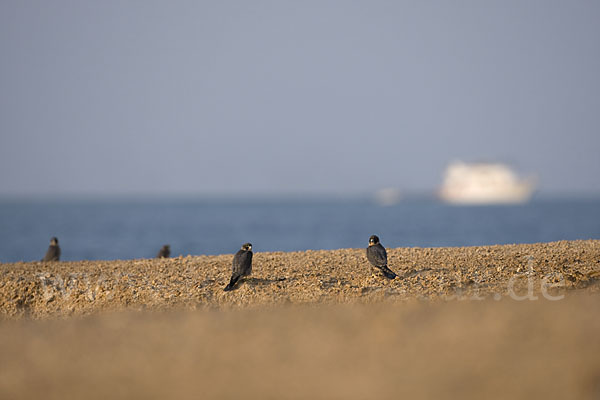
point(518, 321)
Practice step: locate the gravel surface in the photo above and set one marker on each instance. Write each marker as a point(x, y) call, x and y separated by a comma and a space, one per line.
point(322, 277)
point(518, 321)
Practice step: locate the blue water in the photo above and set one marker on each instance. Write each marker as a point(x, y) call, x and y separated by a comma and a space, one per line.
point(137, 229)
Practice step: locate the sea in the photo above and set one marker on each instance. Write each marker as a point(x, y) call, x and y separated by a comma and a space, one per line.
point(111, 229)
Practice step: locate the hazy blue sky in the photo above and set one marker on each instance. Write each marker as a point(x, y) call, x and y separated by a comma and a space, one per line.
point(250, 97)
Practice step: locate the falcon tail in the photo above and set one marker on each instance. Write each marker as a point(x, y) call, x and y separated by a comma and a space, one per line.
point(232, 283)
point(388, 273)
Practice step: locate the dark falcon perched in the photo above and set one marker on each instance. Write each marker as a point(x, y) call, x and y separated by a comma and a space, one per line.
point(164, 252)
point(377, 256)
point(53, 253)
point(242, 265)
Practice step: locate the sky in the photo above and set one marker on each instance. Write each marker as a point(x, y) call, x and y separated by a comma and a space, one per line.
point(294, 97)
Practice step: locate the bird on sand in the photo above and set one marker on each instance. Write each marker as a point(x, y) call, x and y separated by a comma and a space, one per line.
point(164, 252)
point(377, 256)
point(242, 265)
point(53, 252)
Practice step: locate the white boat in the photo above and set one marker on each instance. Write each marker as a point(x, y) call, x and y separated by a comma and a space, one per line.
point(388, 196)
point(484, 183)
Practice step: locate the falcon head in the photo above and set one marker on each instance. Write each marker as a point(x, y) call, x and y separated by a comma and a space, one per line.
point(373, 240)
point(247, 247)
point(54, 241)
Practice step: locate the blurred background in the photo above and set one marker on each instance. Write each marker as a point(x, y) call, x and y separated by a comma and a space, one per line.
point(296, 125)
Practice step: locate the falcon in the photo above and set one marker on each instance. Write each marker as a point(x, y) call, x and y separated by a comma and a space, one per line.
point(377, 256)
point(53, 252)
point(164, 252)
point(242, 265)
